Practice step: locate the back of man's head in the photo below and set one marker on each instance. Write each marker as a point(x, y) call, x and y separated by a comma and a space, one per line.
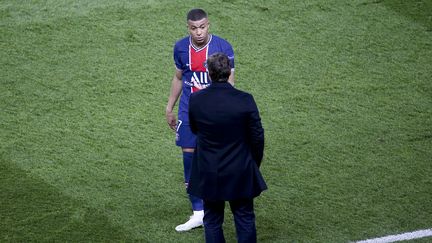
point(219, 68)
point(196, 14)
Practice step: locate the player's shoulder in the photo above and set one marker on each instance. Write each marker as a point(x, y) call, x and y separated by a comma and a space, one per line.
point(219, 39)
point(183, 42)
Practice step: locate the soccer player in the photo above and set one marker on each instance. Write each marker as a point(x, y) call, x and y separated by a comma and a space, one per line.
point(190, 55)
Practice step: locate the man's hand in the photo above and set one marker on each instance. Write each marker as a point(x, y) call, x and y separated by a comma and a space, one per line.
point(171, 120)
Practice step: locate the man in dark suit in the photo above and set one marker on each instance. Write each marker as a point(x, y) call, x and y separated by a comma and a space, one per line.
point(230, 145)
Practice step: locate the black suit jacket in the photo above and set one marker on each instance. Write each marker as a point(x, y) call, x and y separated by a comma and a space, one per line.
point(230, 144)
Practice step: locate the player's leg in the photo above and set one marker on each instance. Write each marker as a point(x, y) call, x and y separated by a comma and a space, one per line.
point(197, 203)
point(187, 140)
point(196, 219)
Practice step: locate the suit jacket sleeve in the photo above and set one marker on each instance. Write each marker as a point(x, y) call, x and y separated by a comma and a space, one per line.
point(256, 133)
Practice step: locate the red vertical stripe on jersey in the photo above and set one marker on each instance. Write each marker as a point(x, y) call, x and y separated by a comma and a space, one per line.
point(197, 59)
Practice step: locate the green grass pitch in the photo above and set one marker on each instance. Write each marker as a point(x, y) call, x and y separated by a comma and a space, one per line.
point(344, 90)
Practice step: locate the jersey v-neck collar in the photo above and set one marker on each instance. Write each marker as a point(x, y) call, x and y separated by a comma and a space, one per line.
point(199, 49)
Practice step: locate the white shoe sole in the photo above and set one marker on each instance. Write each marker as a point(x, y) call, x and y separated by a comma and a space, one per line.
point(188, 226)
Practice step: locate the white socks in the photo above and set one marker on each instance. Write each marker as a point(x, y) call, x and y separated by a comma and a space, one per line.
point(198, 213)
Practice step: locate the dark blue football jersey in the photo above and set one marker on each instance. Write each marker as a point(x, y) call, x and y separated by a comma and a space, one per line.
point(191, 61)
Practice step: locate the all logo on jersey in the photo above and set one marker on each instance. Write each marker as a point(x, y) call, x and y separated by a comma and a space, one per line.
point(198, 58)
point(199, 81)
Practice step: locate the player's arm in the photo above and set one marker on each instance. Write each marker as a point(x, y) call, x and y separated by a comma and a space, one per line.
point(230, 53)
point(176, 88)
point(231, 77)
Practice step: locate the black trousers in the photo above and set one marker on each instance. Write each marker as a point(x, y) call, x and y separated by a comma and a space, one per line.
point(244, 219)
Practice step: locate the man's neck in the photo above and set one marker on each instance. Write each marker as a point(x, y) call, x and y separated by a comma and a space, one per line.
point(202, 45)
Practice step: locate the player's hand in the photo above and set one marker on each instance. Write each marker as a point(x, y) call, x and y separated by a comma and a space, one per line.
point(171, 120)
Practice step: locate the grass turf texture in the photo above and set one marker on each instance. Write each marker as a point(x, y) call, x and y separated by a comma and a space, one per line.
point(344, 89)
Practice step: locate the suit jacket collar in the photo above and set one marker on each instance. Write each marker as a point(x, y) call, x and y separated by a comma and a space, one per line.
point(219, 85)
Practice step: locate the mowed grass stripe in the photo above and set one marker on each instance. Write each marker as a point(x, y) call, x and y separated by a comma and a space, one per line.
point(32, 210)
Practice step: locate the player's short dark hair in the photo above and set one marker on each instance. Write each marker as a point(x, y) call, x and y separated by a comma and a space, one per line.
point(196, 14)
point(219, 68)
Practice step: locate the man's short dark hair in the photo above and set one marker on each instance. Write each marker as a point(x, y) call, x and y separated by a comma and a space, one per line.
point(219, 67)
point(196, 14)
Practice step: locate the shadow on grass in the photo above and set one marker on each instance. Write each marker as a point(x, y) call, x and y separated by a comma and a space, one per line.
point(418, 10)
point(33, 211)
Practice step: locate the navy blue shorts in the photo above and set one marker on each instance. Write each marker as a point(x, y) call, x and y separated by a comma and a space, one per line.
point(184, 136)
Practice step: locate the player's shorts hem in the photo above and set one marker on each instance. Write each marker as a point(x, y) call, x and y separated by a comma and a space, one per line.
point(184, 136)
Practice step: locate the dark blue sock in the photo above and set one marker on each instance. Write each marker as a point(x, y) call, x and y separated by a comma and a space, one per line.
point(196, 202)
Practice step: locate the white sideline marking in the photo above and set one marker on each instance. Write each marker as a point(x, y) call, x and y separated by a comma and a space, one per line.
point(405, 236)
